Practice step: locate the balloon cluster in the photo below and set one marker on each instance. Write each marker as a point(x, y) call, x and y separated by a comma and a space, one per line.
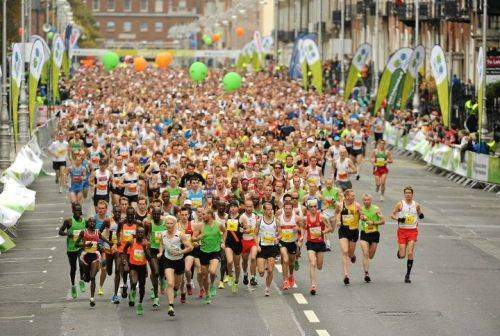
point(231, 81)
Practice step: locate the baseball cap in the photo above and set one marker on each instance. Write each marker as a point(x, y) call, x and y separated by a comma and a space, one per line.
point(336, 138)
point(310, 139)
point(188, 202)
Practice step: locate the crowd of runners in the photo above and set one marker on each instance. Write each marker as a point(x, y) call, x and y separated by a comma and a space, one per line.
point(198, 189)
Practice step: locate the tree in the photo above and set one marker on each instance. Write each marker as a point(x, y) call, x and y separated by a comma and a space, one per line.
point(84, 19)
point(13, 23)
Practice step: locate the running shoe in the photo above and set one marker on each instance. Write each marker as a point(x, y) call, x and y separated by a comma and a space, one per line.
point(202, 293)
point(253, 282)
point(285, 286)
point(124, 292)
point(226, 278)
point(313, 290)
point(407, 278)
point(230, 281)
point(382, 198)
point(267, 292)
point(183, 298)
point(92, 302)
point(296, 265)
point(189, 289)
point(82, 286)
point(291, 281)
point(353, 258)
point(131, 298)
point(171, 311)
point(221, 284)
point(245, 279)
point(139, 310)
point(156, 303)
point(346, 280)
point(115, 299)
point(152, 294)
point(234, 288)
point(357, 177)
point(367, 278)
point(207, 299)
point(213, 291)
point(74, 293)
point(100, 292)
point(328, 246)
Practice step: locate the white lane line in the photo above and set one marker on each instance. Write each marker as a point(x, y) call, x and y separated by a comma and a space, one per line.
point(37, 284)
point(279, 268)
point(300, 298)
point(52, 204)
point(27, 220)
point(24, 272)
point(17, 317)
point(322, 332)
point(53, 248)
point(311, 316)
point(23, 258)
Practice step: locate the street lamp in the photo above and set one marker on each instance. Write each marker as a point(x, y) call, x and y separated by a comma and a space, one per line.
point(416, 98)
point(483, 135)
point(4, 118)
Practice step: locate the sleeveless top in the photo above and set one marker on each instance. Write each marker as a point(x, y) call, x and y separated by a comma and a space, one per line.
point(314, 228)
point(172, 245)
point(410, 214)
point(267, 232)
point(288, 228)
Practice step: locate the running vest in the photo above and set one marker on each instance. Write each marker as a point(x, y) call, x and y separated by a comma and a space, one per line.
point(196, 198)
point(131, 185)
point(76, 175)
point(251, 223)
point(91, 237)
point(410, 214)
point(75, 229)
point(315, 229)
point(313, 176)
point(380, 159)
point(118, 174)
point(289, 170)
point(95, 156)
point(137, 255)
point(211, 238)
point(157, 232)
point(288, 228)
point(371, 215)
point(127, 233)
point(267, 232)
point(124, 150)
point(357, 141)
point(331, 197)
point(188, 230)
point(172, 245)
point(102, 179)
point(174, 193)
point(99, 223)
point(349, 216)
point(343, 170)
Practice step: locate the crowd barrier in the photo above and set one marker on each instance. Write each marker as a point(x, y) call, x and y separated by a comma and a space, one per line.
point(16, 198)
point(479, 167)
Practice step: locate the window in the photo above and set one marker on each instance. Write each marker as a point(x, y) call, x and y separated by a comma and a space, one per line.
point(127, 26)
point(111, 5)
point(144, 5)
point(158, 6)
point(144, 26)
point(182, 4)
point(110, 25)
point(97, 24)
point(95, 5)
point(158, 26)
point(127, 5)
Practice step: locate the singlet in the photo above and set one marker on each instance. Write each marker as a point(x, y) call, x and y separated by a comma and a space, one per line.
point(118, 173)
point(267, 232)
point(314, 229)
point(174, 193)
point(211, 238)
point(331, 197)
point(343, 170)
point(91, 237)
point(313, 175)
point(137, 255)
point(380, 159)
point(251, 223)
point(75, 229)
point(349, 216)
point(357, 141)
point(131, 185)
point(76, 174)
point(196, 198)
point(379, 125)
point(188, 230)
point(371, 215)
point(127, 234)
point(95, 156)
point(99, 223)
point(172, 245)
point(288, 228)
point(410, 214)
point(124, 150)
point(233, 229)
point(157, 231)
point(102, 179)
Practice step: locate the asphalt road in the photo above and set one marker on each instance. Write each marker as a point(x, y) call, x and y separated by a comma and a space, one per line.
point(454, 291)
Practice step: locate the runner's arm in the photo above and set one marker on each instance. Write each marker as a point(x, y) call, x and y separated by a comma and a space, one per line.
point(63, 229)
point(224, 235)
point(395, 211)
point(389, 157)
point(188, 247)
point(419, 211)
point(381, 220)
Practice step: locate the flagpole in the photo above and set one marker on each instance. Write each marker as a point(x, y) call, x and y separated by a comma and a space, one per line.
point(4, 118)
point(483, 133)
point(342, 24)
point(416, 98)
point(23, 119)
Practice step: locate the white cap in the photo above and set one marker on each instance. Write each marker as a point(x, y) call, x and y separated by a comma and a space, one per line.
point(310, 139)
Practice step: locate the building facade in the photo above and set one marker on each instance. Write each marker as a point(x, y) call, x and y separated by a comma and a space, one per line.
point(142, 23)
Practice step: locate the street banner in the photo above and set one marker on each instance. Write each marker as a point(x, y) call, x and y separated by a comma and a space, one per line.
point(66, 61)
point(295, 69)
point(5, 242)
point(267, 44)
point(257, 51)
point(303, 64)
point(314, 64)
point(398, 60)
point(73, 43)
point(46, 54)
point(57, 55)
point(245, 56)
point(415, 65)
point(396, 82)
point(480, 88)
point(440, 74)
point(36, 64)
point(360, 59)
point(17, 71)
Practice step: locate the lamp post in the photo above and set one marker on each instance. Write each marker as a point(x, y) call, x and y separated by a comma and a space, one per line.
point(23, 113)
point(484, 134)
point(416, 98)
point(342, 27)
point(375, 53)
point(4, 117)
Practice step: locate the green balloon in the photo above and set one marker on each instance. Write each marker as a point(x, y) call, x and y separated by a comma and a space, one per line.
point(231, 82)
point(110, 60)
point(207, 40)
point(198, 72)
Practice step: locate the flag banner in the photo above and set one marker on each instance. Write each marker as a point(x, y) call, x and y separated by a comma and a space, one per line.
point(303, 65)
point(395, 84)
point(360, 59)
point(245, 56)
point(5, 242)
point(46, 54)
point(57, 55)
point(66, 61)
point(398, 60)
point(440, 74)
point(267, 44)
point(73, 43)
point(17, 71)
point(257, 51)
point(480, 88)
point(415, 65)
point(36, 64)
point(314, 64)
point(295, 70)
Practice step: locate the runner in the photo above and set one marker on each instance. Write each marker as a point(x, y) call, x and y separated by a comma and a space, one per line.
point(156, 227)
point(77, 175)
point(380, 158)
point(344, 166)
point(371, 218)
point(314, 229)
point(100, 180)
point(289, 228)
point(234, 246)
point(267, 233)
point(191, 259)
point(71, 228)
point(111, 252)
point(408, 213)
point(248, 221)
point(221, 218)
point(58, 149)
point(348, 216)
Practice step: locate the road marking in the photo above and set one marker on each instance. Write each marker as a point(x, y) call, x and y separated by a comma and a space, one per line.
point(300, 298)
point(279, 268)
point(17, 317)
point(37, 284)
point(53, 248)
point(52, 204)
point(14, 260)
point(24, 272)
point(311, 316)
point(27, 220)
point(37, 212)
point(322, 332)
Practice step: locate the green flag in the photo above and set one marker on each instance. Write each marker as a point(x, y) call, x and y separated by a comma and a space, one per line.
point(303, 64)
point(57, 56)
point(36, 63)
point(414, 66)
point(5, 242)
point(314, 64)
point(440, 74)
point(17, 70)
point(480, 87)
point(361, 58)
point(394, 86)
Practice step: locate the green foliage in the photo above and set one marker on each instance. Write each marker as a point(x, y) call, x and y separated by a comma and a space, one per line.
point(13, 23)
point(84, 19)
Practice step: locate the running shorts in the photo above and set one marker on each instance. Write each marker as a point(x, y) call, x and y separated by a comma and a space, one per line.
point(176, 265)
point(379, 171)
point(290, 247)
point(378, 136)
point(247, 246)
point(356, 152)
point(56, 165)
point(370, 238)
point(142, 271)
point(316, 246)
point(205, 257)
point(406, 235)
point(351, 235)
point(344, 185)
point(268, 251)
point(237, 247)
point(97, 198)
point(133, 199)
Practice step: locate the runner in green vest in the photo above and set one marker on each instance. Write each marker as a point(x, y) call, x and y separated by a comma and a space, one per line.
point(380, 158)
point(156, 227)
point(371, 218)
point(330, 196)
point(71, 228)
point(212, 237)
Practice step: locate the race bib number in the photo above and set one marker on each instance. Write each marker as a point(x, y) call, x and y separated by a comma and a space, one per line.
point(347, 220)
point(95, 159)
point(232, 225)
point(316, 232)
point(92, 248)
point(268, 240)
point(132, 188)
point(410, 219)
point(102, 187)
point(343, 175)
point(76, 233)
point(114, 238)
point(196, 203)
point(380, 162)
point(287, 235)
point(77, 179)
point(158, 235)
point(139, 255)
point(370, 228)
point(128, 235)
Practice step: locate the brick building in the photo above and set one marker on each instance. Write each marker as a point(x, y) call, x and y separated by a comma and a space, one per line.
point(141, 23)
